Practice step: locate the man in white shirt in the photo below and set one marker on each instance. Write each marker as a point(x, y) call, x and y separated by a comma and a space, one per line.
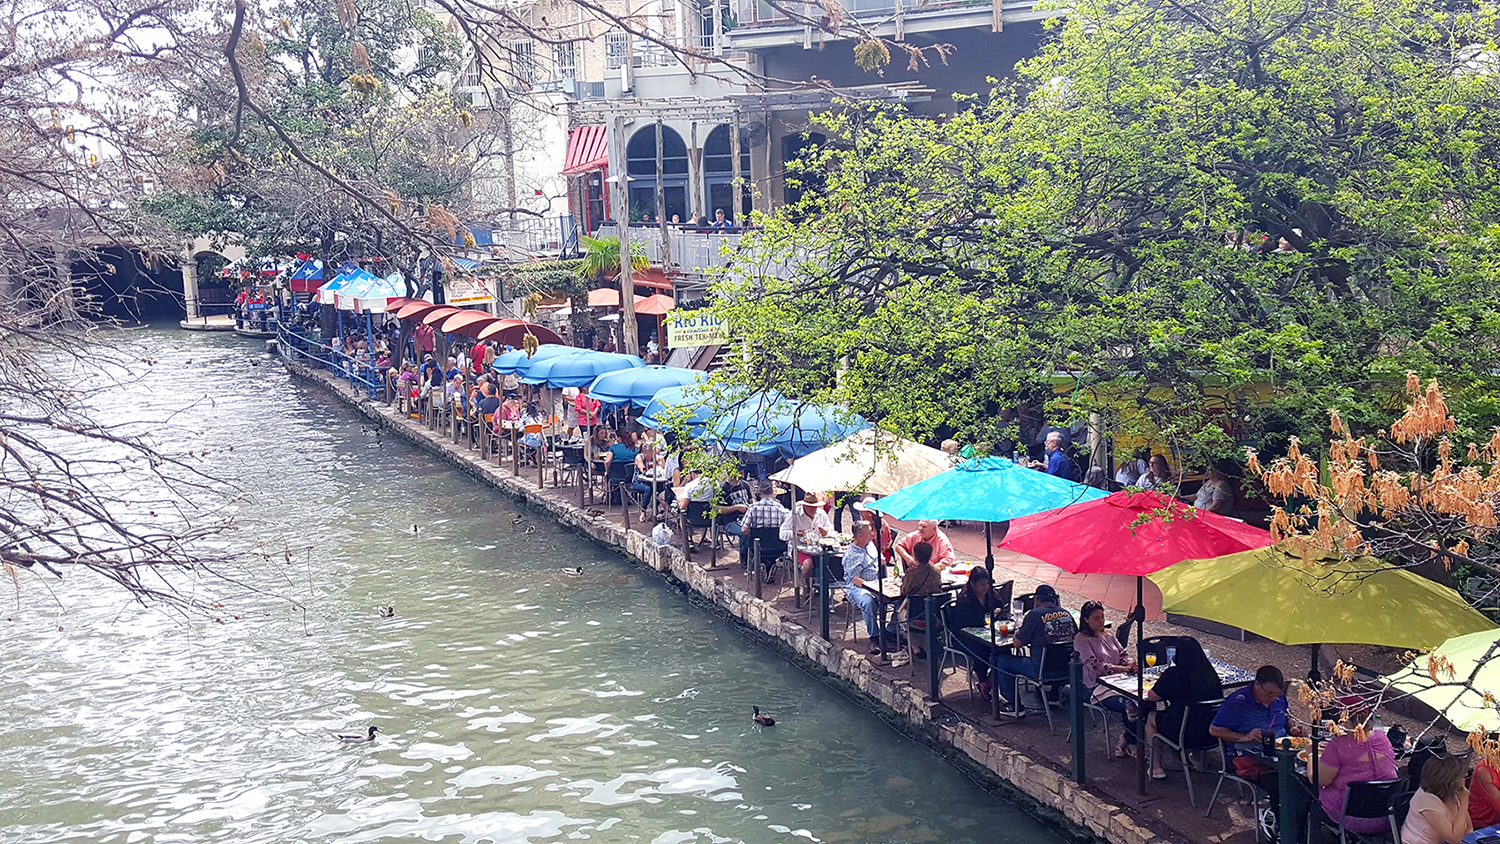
point(810, 518)
point(1216, 495)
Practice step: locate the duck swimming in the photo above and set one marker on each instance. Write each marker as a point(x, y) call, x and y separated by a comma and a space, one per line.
point(573, 571)
point(359, 738)
point(763, 720)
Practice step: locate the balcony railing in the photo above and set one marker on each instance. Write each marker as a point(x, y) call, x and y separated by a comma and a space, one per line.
point(761, 13)
point(690, 251)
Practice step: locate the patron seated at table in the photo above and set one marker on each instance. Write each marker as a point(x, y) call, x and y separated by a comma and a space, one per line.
point(1248, 714)
point(734, 499)
point(698, 489)
point(919, 579)
point(927, 531)
point(764, 514)
point(807, 523)
point(1439, 812)
point(1190, 679)
point(861, 566)
point(648, 464)
point(1047, 624)
point(978, 604)
point(1484, 792)
point(1216, 495)
point(1358, 755)
point(1103, 653)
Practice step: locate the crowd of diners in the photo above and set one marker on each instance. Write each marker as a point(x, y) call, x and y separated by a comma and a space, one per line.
point(1450, 795)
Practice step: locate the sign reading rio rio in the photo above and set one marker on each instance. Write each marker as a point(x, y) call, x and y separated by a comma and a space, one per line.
point(695, 328)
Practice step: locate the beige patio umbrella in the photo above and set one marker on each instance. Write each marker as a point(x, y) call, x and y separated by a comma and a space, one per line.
point(867, 461)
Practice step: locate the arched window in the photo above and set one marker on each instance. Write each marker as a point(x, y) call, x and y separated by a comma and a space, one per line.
point(640, 165)
point(640, 153)
point(717, 157)
point(718, 173)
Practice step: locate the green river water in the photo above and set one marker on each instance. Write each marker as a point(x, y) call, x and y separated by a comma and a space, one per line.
point(518, 704)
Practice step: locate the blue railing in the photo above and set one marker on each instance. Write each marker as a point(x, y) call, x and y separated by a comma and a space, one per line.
point(314, 352)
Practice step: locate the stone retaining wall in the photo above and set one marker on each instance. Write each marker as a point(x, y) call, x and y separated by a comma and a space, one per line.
point(1073, 808)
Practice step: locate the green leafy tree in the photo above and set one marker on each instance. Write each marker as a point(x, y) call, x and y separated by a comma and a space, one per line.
point(1204, 221)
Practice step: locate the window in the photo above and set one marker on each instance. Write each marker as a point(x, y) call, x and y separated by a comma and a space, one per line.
point(616, 45)
point(565, 61)
point(470, 77)
point(523, 66)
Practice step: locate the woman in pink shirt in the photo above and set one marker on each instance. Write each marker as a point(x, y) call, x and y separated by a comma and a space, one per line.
point(1347, 758)
point(587, 409)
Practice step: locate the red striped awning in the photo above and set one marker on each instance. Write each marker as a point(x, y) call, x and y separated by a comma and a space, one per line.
point(588, 149)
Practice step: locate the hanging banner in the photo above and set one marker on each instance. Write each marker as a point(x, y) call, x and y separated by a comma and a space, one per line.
point(686, 329)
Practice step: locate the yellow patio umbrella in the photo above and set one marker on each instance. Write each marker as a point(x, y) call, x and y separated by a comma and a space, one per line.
point(1278, 594)
point(1459, 693)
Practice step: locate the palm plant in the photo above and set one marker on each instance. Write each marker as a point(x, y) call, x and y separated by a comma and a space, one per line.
point(602, 254)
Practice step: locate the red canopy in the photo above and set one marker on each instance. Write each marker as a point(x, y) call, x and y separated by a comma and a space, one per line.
point(510, 331)
point(588, 149)
point(467, 322)
point(1130, 533)
point(655, 304)
point(414, 309)
point(438, 314)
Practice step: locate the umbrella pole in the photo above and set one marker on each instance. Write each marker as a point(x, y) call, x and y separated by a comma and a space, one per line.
point(1313, 676)
point(989, 550)
point(1140, 682)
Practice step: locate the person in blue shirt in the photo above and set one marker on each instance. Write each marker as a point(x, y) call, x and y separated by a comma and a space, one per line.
point(1246, 716)
point(1058, 462)
point(720, 221)
point(861, 566)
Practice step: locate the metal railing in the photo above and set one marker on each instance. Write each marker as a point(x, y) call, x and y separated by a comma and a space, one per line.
point(361, 374)
point(759, 13)
point(691, 251)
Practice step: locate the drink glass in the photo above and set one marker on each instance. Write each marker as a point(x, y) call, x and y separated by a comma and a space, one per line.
point(1171, 656)
point(1151, 660)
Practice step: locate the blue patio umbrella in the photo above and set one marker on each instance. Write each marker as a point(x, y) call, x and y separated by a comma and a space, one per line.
point(696, 405)
point(517, 362)
point(984, 489)
point(783, 427)
point(637, 386)
point(577, 370)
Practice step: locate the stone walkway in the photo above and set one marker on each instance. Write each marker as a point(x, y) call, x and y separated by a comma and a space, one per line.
point(1034, 763)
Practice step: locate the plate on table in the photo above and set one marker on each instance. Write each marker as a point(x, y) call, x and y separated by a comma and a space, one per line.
point(1305, 756)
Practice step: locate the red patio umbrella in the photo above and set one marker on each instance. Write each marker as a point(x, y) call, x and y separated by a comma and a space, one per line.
point(438, 314)
point(655, 304)
point(608, 297)
point(1130, 533)
point(467, 322)
point(415, 308)
point(510, 331)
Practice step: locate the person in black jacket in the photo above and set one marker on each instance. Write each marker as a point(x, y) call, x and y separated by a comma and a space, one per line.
point(976, 603)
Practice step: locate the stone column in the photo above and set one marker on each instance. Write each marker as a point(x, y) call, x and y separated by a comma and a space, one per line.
point(190, 286)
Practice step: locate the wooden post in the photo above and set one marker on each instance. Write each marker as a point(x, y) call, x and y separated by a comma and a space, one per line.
point(687, 546)
point(661, 198)
point(736, 201)
point(628, 332)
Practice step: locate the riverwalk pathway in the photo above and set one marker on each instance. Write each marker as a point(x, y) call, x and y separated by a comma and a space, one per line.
point(1024, 758)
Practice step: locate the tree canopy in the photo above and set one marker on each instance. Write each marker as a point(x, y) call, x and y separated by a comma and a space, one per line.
point(1209, 221)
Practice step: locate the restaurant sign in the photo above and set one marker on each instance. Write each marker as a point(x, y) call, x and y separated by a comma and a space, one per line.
point(467, 290)
point(686, 329)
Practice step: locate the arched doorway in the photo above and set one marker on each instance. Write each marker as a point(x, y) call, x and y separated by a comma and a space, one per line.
point(640, 165)
point(718, 174)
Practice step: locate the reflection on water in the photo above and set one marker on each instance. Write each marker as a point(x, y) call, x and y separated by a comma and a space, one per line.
point(517, 703)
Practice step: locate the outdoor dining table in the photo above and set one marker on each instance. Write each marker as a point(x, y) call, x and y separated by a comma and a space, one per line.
point(1230, 677)
point(988, 635)
point(655, 478)
point(821, 552)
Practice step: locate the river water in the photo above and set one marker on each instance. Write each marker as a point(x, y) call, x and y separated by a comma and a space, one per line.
point(518, 703)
